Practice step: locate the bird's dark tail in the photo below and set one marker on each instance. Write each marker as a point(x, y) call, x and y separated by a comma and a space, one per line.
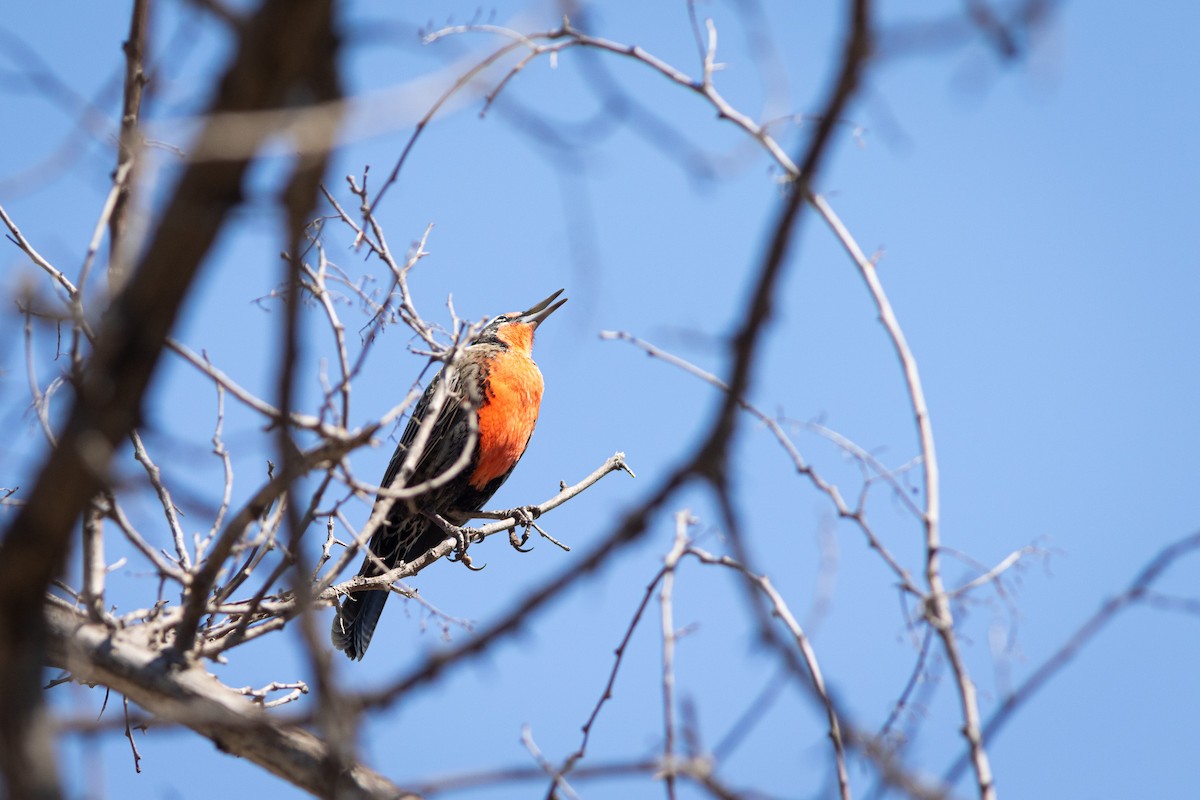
point(355, 622)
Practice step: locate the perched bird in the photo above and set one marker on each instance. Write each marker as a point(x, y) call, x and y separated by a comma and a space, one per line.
point(494, 379)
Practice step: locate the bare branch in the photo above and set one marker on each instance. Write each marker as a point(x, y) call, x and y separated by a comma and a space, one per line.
point(128, 143)
point(189, 696)
point(164, 498)
point(120, 185)
point(844, 511)
point(995, 573)
point(779, 609)
point(272, 60)
point(1093, 625)
point(560, 783)
point(914, 677)
point(937, 603)
point(19, 239)
point(665, 598)
point(164, 568)
point(93, 562)
point(616, 463)
point(607, 694)
point(137, 757)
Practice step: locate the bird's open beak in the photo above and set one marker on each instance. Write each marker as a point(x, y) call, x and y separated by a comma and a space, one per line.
point(538, 313)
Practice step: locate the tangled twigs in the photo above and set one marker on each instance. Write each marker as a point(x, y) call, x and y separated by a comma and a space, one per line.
point(268, 612)
point(329, 592)
point(1108, 611)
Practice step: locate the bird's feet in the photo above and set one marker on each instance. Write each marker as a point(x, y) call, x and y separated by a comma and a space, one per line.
point(517, 540)
point(525, 517)
point(465, 537)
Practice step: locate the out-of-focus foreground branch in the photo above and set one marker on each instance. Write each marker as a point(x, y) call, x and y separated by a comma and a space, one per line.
point(282, 47)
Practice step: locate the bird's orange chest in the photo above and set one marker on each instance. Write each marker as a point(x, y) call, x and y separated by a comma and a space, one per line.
point(507, 415)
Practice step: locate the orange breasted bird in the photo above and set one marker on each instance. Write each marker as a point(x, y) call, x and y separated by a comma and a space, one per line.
point(496, 380)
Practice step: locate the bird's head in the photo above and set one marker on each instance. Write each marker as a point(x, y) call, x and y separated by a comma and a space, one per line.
point(515, 329)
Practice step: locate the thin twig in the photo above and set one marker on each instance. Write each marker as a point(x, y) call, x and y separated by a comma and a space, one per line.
point(103, 222)
point(615, 463)
point(19, 239)
point(780, 610)
point(41, 400)
point(607, 694)
point(918, 672)
point(802, 467)
point(1108, 611)
point(996, 572)
point(220, 451)
point(665, 598)
point(164, 498)
point(137, 757)
point(164, 567)
point(559, 783)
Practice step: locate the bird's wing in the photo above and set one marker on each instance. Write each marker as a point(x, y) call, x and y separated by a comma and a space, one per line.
point(449, 433)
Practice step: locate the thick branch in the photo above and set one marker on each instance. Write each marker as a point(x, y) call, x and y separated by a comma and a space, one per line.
point(192, 697)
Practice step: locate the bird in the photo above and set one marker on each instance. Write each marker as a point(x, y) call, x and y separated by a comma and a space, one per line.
point(494, 379)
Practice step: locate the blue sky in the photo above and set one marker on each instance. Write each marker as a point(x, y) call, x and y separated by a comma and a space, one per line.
point(1032, 219)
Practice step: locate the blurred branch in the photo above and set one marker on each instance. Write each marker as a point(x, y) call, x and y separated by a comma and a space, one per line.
point(274, 57)
point(902, 702)
point(91, 121)
point(299, 200)
point(1004, 25)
